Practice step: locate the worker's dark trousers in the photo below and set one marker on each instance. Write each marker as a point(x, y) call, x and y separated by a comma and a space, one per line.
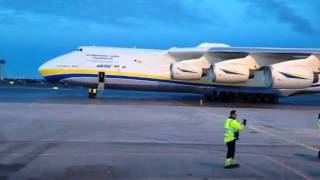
point(231, 149)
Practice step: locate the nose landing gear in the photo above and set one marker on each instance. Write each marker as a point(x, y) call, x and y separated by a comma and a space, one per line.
point(92, 93)
point(99, 88)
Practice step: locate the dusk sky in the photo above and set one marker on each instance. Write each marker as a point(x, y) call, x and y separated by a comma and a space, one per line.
point(33, 31)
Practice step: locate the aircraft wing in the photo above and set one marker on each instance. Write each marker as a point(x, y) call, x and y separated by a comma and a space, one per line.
point(237, 52)
point(265, 50)
point(271, 51)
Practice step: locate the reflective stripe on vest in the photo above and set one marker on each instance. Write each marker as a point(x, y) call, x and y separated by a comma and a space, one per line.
point(229, 128)
point(229, 131)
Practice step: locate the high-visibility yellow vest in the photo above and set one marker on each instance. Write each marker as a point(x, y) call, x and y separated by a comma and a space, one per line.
point(318, 124)
point(231, 126)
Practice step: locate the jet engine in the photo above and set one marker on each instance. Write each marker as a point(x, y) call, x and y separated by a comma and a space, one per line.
point(192, 69)
point(286, 76)
point(181, 71)
point(230, 73)
point(233, 71)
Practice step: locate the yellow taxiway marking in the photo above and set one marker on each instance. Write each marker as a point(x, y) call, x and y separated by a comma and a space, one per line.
point(259, 130)
point(283, 165)
point(289, 168)
point(283, 138)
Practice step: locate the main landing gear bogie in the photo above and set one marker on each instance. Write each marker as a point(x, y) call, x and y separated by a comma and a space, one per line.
point(242, 97)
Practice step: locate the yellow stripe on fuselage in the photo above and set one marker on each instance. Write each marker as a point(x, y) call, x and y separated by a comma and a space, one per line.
point(50, 72)
point(116, 72)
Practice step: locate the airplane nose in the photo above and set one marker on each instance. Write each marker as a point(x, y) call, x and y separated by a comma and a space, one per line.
point(54, 69)
point(42, 69)
point(46, 71)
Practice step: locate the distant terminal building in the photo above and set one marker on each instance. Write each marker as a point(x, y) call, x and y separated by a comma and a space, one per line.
point(2, 65)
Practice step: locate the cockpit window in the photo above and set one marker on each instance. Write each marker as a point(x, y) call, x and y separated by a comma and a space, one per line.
point(79, 49)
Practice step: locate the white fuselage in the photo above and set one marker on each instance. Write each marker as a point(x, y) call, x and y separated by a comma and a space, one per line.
point(139, 69)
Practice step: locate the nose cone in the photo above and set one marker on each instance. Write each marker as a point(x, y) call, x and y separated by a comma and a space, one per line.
point(42, 69)
point(55, 69)
point(47, 68)
point(48, 71)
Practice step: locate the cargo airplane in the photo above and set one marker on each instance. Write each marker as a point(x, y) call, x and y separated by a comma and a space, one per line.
point(219, 71)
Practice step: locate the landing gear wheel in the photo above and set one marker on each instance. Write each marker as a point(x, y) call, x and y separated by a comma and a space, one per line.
point(92, 93)
point(249, 98)
point(209, 97)
point(266, 98)
point(275, 100)
point(242, 97)
point(258, 98)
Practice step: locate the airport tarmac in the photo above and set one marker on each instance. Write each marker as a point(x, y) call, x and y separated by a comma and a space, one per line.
point(60, 134)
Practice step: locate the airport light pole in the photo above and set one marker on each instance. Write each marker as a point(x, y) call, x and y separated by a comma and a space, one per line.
point(2, 65)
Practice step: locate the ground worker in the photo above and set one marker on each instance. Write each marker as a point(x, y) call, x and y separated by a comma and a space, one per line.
point(318, 126)
point(231, 134)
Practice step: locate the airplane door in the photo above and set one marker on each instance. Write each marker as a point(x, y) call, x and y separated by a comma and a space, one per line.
point(102, 77)
point(101, 80)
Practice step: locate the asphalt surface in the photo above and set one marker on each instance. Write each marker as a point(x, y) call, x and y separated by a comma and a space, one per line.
point(60, 134)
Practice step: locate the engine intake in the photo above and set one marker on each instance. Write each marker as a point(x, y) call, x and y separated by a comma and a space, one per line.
point(180, 71)
point(285, 76)
point(230, 73)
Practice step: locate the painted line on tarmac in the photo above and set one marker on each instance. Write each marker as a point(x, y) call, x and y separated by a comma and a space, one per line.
point(283, 138)
point(283, 165)
point(184, 104)
point(258, 130)
point(289, 168)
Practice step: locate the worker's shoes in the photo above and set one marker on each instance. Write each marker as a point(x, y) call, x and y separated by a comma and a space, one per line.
point(231, 166)
point(230, 163)
point(234, 163)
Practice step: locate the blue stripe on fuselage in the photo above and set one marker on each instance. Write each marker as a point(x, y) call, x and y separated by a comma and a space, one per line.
point(59, 77)
point(55, 78)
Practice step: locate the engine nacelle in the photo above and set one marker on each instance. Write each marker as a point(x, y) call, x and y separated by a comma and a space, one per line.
point(230, 73)
point(182, 71)
point(286, 76)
